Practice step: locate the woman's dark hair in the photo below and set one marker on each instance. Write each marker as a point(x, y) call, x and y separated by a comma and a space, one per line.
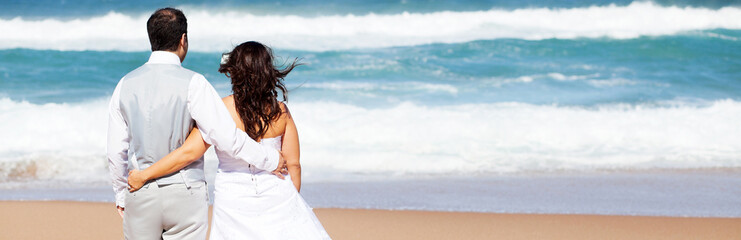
point(165, 27)
point(255, 83)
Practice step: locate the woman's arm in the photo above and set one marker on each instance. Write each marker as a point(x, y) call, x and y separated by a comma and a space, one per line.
point(192, 149)
point(290, 148)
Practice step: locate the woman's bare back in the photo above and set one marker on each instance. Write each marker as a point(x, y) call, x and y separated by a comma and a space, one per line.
point(277, 127)
point(283, 126)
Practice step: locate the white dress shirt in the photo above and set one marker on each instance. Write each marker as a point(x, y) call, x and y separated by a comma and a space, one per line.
point(211, 116)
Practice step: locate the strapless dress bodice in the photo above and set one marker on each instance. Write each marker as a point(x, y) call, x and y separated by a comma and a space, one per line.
point(229, 164)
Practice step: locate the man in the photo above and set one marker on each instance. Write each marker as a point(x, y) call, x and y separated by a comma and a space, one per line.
point(151, 112)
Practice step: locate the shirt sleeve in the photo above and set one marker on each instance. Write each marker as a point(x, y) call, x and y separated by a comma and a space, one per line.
point(218, 129)
point(117, 147)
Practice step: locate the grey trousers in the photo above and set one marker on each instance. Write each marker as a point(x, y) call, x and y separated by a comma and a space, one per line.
point(167, 212)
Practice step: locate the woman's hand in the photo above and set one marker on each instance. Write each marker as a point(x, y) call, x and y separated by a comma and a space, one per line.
point(136, 180)
point(120, 211)
point(280, 173)
point(281, 170)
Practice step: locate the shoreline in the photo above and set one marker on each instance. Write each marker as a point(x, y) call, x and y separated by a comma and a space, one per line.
point(669, 194)
point(93, 220)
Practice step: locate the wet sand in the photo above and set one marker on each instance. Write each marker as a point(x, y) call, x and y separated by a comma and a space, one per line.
point(87, 220)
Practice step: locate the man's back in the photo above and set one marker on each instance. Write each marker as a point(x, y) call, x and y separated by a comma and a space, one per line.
point(150, 117)
point(154, 103)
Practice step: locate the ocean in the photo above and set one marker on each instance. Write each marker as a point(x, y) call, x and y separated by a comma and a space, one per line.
point(588, 106)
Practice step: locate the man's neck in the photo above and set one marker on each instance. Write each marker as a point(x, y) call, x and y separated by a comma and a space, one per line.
point(180, 53)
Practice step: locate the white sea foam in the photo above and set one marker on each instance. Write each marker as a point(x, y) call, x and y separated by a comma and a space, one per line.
point(515, 137)
point(52, 141)
point(67, 141)
point(719, 36)
point(219, 31)
point(591, 79)
point(611, 82)
point(368, 86)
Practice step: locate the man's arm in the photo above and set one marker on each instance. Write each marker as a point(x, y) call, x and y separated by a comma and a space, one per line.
point(192, 149)
point(218, 129)
point(117, 147)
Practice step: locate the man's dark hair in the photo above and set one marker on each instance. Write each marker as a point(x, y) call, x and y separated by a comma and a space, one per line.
point(165, 27)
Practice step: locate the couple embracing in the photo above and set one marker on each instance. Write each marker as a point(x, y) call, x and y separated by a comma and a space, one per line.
point(163, 118)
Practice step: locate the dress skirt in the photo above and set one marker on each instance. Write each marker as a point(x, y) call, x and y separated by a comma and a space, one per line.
point(261, 206)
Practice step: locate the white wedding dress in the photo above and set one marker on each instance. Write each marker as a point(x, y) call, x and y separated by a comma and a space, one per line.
point(250, 203)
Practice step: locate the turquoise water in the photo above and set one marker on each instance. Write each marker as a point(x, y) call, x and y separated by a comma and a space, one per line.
point(405, 90)
point(692, 67)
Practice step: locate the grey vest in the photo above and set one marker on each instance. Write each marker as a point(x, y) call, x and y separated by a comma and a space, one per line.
point(154, 104)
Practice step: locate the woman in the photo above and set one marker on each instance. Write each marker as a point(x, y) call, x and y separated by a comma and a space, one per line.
point(250, 203)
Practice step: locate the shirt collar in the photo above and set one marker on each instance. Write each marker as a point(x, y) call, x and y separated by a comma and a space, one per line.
point(163, 57)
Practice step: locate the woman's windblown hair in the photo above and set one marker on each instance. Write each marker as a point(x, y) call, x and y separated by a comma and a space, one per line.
point(255, 83)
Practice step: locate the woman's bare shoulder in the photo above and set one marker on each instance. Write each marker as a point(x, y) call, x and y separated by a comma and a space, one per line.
point(228, 100)
point(285, 113)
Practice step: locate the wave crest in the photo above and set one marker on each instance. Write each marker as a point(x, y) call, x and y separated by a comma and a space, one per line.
point(67, 141)
point(219, 31)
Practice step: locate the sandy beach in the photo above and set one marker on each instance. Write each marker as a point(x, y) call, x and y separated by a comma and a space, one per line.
point(589, 119)
point(86, 220)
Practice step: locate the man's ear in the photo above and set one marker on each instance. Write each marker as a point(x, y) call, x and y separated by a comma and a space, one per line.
point(184, 39)
point(183, 47)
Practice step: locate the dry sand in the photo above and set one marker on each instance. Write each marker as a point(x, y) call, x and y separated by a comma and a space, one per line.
point(84, 220)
